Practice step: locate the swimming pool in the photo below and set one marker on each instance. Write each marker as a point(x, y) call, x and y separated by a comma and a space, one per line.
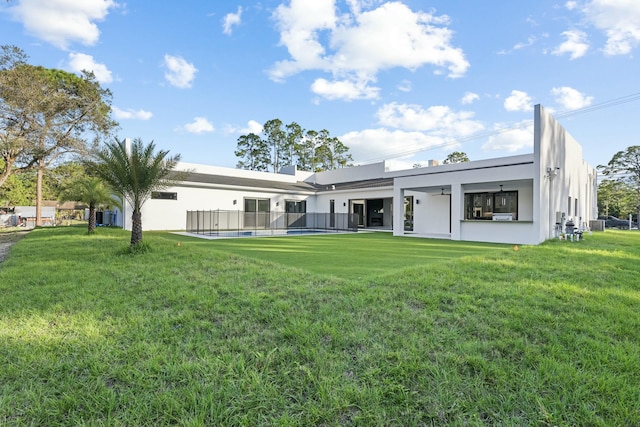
point(228, 234)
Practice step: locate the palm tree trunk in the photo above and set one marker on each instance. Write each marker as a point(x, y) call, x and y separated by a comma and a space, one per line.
point(136, 226)
point(92, 218)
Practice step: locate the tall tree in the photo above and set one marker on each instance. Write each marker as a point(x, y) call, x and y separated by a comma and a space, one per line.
point(615, 198)
point(93, 192)
point(276, 139)
point(294, 135)
point(340, 154)
point(135, 171)
point(624, 167)
point(15, 90)
point(74, 107)
point(253, 152)
point(306, 151)
point(48, 113)
point(330, 152)
point(456, 157)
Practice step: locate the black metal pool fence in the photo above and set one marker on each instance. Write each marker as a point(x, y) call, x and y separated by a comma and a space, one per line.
point(241, 223)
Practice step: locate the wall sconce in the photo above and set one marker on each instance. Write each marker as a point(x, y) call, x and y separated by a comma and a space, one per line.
point(235, 202)
point(344, 203)
point(277, 204)
point(417, 202)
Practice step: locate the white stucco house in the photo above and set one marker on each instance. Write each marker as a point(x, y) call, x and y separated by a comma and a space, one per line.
point(522, 199)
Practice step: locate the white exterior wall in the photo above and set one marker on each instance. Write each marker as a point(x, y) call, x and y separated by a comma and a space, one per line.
point(355, 173)
point(171, 214)
point(561, 173)
point(432, 214)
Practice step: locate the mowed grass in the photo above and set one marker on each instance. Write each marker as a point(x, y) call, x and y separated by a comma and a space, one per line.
point(197, 335)
point(350, 256)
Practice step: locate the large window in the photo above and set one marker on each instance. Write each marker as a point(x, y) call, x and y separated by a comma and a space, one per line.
point(164, 195)
point(408, 213)
point(295, 210)
point(295, 206)
point(489, 206)
point(256, 205)
point(256, 213)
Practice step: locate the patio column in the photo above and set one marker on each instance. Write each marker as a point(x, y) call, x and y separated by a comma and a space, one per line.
point(457, 209)
point(398, 211)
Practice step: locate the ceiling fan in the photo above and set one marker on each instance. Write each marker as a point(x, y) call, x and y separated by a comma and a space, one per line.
point(442, 193)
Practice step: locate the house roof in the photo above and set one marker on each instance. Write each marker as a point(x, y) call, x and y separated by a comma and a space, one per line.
point(355, 185)
point(249, 182)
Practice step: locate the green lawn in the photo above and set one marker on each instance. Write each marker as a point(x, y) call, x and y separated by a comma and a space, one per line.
point(350, 256)
point(198, 334)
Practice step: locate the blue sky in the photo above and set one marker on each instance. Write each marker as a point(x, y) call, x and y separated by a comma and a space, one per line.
point(405, 81)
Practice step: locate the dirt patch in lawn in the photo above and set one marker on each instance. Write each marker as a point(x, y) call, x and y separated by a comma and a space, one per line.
point(7, 240)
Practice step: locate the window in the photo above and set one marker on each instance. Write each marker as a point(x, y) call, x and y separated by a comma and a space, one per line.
point(332, 212)
point(408, 213)
point(256, 213)
point(483, 206)
point(256, 205)
point(569, 207)
point(295, 206)
point(295, 210)
point(163, 195)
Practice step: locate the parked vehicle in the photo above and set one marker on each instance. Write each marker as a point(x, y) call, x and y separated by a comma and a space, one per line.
point(613, 222)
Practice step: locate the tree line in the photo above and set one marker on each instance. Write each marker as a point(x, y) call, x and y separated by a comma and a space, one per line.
point(619, 191)
point(285, 145)
point(46, 115)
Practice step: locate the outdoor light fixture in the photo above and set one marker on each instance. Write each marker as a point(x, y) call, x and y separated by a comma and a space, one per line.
point(552, 172)
point(235, 202)
point(277, 204)
point(417, 202)
point(344, 203)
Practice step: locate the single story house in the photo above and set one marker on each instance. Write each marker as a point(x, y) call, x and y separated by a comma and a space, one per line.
point(523, 199)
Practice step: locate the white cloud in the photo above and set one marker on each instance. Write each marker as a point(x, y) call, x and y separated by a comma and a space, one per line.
point(180, 73)
point(521, 45)
point(576, 44)
point(344, 89)
point(570, 5)
point(570, 98)
point(518, 101)
point(356, 45)
point(620, 21)
point(131, 114)
point(404, 86)
point(230, 20)
point(469, 98)
point(530, 41)
point(199, 125)
point(416, 129)
point(251, 127)
point(379, 144)
point(511, 138)
point(80, 61)
point(437, 120)
point(61, 22)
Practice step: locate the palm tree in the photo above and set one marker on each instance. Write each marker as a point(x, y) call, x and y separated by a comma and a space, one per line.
point(92, 191)
point(135, 171)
